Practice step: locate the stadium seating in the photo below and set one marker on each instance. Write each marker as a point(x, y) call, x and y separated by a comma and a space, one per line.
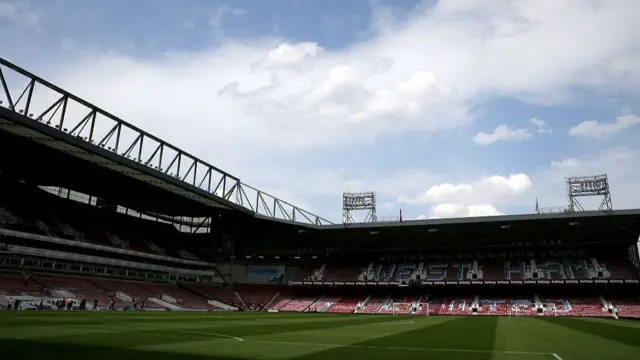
point(130, 291)
point(506, 307)
point(400, 305)
point(80, 288)
point(345, 305)
point(492, 271)
point(626, 307)
point(15, 285)
point(183, 298)
point(621, 270)
point(308, 273)
point(297, 304)
point(73, 220)
point(324, 303)
point(574, 307)
point(341, 273)
point(372, 305)
point(210, 292)
point(455, 306)
point(82, 222)
point(279, 302)
point(256, 296)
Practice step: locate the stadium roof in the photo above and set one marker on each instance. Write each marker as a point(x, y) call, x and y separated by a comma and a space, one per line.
point(34, 109)
point(553, 230)
point(91, 145)
point(496, 220)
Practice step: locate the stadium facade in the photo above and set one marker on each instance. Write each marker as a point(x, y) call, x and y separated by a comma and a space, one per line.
point(95, 209)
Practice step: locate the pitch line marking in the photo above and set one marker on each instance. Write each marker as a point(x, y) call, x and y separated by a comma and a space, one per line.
point(212, 334)
point(407, 348)
point(107, 331)
point(403, 322)
point(373, 347)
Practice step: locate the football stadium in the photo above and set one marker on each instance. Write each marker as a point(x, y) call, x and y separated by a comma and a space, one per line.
point(118, 245)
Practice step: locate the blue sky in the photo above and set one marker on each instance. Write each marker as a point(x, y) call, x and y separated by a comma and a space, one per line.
point(444, 108)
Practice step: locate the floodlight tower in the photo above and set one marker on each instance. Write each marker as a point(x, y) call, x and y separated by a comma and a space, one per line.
point(364, 201)
point(579, 186)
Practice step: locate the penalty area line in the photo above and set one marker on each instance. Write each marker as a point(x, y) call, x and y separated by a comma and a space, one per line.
point(556, 356)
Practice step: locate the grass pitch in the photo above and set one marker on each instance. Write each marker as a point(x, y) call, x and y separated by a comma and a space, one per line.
point(234, 336)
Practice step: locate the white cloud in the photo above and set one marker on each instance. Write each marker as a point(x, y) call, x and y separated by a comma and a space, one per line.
point(290, 55)
point(617, 163)
point(254, 107)
point(566, 164)
point(489, 190)
point(449, 210)
point(350, 95)
point(548, 184)
point(540, 125)
point(595, 129)
point(502, 133)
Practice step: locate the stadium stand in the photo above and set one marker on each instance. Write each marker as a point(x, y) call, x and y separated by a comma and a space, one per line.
point(625, 307)
point(372, 305)
point(14, 285)
point(82, 221)
point(298, 304)
point(256, 297)
point(324, 303)
point(341, 273)
point(223, 295)
point(345, 305)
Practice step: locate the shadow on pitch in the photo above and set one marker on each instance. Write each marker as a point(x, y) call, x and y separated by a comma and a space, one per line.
point(608, 330)
point(31, 350)
point(451, 338)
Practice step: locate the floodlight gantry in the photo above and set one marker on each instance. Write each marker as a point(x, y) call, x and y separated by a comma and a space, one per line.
point(363, 201)
point(591, 186)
